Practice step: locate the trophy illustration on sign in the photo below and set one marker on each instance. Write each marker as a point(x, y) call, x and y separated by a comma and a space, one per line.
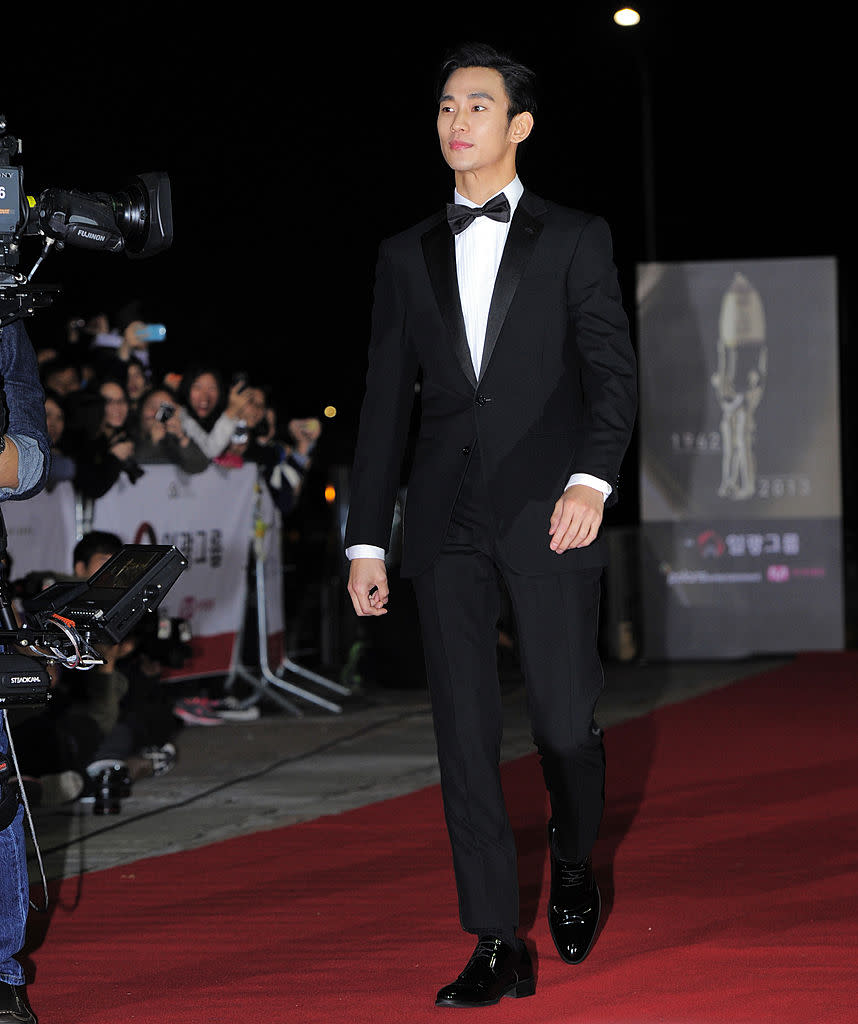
point(739, 383)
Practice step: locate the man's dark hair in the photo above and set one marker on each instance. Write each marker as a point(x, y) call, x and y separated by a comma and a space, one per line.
point(519, 81)
point(96, 542)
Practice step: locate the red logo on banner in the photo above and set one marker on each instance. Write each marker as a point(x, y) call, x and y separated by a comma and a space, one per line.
point(145, 534)
point(710, 544)
point(777, 573)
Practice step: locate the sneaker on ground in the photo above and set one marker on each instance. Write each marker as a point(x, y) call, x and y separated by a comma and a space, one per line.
point(230, 709)
point(196, 711)
point(163, 758)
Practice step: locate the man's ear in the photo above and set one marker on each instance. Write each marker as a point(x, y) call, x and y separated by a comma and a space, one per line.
point(521, 126)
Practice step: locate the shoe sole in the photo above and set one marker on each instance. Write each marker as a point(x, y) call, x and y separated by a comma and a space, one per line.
point(520, 990)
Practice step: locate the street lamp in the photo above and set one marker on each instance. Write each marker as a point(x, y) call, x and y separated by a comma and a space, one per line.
point(627, 17)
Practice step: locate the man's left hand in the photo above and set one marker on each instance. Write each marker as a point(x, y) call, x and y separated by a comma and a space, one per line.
point(576, 518)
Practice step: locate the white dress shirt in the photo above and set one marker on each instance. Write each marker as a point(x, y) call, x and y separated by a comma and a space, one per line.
point(479, 249)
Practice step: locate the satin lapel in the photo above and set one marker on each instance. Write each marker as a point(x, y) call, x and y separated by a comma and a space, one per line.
point(439, 251)
point(523, 235)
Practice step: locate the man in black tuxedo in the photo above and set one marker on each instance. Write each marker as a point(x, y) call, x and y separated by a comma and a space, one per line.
point(509, 308)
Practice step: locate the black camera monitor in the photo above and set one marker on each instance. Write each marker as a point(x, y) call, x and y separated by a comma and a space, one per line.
point(114, 599)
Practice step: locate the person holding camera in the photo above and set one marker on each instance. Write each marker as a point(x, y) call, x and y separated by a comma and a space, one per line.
point(24, 458)
point(211, 418)
point(254, 429)
point(162, 436)
point(104, 448)
point(283, 464)
point(110, 347)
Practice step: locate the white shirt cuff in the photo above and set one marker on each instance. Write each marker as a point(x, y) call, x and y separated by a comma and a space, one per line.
point(590, 481)
point(364, 551)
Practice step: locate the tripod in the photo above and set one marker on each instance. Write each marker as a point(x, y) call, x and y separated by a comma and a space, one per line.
point(268, 683)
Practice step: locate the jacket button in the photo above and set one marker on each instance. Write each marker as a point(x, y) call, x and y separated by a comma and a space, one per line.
point(483, 399)
point(466, 450)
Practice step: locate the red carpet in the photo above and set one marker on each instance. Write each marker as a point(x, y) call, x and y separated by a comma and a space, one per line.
point(728, 859)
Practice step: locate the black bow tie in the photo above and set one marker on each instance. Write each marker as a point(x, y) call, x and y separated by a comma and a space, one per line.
point(460, 216)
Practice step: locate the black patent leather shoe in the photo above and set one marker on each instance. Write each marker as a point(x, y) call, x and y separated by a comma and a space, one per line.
point(495, 970)
point(573, 906)
point(14, 1007)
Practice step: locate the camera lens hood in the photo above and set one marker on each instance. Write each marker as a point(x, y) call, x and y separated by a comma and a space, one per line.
point(144, 214)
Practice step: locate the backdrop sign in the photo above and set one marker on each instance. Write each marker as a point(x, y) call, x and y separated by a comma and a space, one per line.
point(214, 518)
point(740, 457)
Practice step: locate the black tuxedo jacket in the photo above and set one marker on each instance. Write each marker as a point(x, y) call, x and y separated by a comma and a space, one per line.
point(556, 391)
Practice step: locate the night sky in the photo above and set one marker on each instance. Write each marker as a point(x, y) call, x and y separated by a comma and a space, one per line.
point(293, 150)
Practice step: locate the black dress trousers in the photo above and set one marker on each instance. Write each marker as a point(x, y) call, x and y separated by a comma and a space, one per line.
point(556, 617)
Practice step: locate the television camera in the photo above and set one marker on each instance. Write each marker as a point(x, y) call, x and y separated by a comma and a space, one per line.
point(67, 619)
point(137, 221)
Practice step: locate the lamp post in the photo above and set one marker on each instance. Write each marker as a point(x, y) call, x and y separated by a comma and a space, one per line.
point(628, 18)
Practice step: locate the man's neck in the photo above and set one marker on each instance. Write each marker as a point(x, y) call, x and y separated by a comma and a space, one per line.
point(479, 186)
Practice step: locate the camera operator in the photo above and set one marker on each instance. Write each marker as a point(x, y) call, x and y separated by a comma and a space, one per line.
point(24, 457)
point(162, 437)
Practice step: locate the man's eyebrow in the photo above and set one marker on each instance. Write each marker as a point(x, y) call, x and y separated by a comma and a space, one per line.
point(471, 96)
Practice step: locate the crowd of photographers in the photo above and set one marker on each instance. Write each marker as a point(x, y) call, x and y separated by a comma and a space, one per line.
point(109, 415)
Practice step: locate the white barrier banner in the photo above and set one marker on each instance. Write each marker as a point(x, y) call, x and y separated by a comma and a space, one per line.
point(41, 532)
point(210, 517)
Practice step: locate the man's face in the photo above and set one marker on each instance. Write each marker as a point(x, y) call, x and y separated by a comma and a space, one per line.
point(473, 128)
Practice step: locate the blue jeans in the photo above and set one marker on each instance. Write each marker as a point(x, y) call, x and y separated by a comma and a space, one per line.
point(14, 888)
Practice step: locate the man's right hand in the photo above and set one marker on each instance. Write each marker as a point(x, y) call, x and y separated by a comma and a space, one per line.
point(364, 574)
